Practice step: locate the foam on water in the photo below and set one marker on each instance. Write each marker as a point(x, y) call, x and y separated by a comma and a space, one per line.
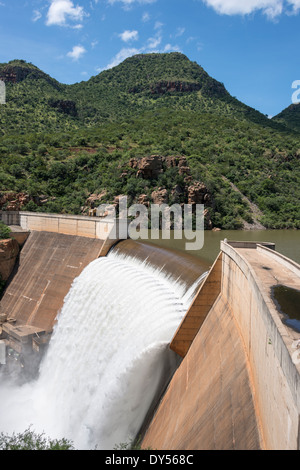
point(108, 359)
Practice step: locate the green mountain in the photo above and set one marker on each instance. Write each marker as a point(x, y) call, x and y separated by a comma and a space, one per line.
point(33, 99)
point(36, 102)
point(154, 81)
point(61, 144)
point(289, 117)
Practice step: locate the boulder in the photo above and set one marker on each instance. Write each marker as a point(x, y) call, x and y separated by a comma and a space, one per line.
point(150, 167)
point(160, 196)
point(197, 193)
point(143, 199)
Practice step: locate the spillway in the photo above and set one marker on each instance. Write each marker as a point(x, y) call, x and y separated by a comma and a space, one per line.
point(109, 359)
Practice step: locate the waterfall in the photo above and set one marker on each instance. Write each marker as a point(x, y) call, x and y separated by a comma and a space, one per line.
point(108, 360)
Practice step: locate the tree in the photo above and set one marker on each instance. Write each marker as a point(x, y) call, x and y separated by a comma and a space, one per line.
point(30, 440)
point(4, 231)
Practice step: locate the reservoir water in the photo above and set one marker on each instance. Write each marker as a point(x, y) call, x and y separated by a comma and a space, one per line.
point(287, 242)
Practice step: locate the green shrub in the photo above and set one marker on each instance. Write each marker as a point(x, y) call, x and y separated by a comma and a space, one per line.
point(30, 440)
point(4, 231)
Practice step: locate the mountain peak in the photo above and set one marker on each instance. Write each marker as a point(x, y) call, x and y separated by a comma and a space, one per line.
point(290, 117)
point(160, 73)
point(17, 70)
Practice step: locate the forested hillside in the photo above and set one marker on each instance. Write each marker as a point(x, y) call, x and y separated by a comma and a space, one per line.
point(289, 117)
point(63, 146)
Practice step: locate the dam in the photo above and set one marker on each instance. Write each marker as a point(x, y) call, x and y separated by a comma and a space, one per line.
point(148, 342)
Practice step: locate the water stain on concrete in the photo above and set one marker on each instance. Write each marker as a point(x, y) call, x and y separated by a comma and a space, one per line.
point(287, 301)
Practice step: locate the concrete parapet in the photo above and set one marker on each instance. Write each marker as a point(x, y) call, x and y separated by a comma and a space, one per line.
point(279, 258)
point(10, 217)
point(66, 224)
point(250, 245)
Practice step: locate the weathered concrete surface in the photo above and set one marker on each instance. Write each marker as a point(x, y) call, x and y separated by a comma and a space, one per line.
point(90, 227)
point(106, 228)
point(238, 385)
point(199, 310)
point(49, 262)
point(9, 250)
point(18, 234)
point(269, 343)
point(209, 404)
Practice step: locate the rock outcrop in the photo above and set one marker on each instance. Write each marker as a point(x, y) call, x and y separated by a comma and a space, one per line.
point(9, 250)
point(18, 71)
point(198, 194)
point(150, 168)
point(14, 74)
point(13, 201)
point(64, 106)
point(153, 166)
point(160, 196)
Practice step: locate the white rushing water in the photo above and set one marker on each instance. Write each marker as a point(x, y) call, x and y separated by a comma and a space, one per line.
point(108, 357)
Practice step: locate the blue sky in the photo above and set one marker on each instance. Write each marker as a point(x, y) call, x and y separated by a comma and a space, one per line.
point(252, 46)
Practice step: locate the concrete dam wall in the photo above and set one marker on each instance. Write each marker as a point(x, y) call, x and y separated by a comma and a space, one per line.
point(55, 251)
point(238, 386)
point(238, 382)
point(44, 273)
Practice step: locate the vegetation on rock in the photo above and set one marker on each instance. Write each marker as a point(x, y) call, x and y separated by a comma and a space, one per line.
point(4, 231)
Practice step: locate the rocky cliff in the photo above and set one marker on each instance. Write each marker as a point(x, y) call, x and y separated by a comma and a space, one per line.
point(150, 169)
point(64, 106)
point(16, 201)
point(18, 71)
point(9, 250)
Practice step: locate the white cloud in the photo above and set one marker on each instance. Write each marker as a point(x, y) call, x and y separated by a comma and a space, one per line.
point(36, 15)
point(152, 45)
point(271, 8)
point(145, 17)
point(295, 4)
point(158, 25)
point(125, 53)
point(179, 32)
point(128, 36)
point(170, 48)
point(121, 56)
point(61, 11)
point(154, 42)
point(77, 52)
point(131, 2)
